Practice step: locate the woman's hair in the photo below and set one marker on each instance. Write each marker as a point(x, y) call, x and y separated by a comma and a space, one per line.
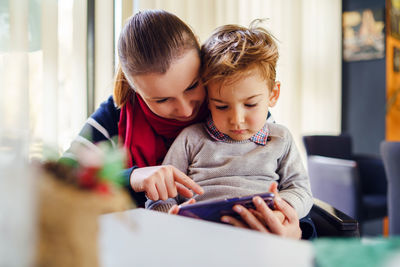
point(148, 43)
point(232, 50)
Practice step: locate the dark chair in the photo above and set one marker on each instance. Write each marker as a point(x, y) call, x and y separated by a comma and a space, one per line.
point(330, 222)
point(354, 184)
point(391, 158)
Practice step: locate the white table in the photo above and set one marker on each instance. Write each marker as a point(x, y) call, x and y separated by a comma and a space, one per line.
point(147, 238)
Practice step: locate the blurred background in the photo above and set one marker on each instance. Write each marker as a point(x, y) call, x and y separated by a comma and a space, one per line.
point(58, 59)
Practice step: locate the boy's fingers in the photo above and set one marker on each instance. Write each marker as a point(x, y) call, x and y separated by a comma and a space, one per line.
point(233, 221)
point(174, 210)
point(183, 179)
point(273, 188)
point(270, 219)
point(281, 217)
point(249, 218)
point(258, 215)
point(184, 191)
point(190, 201)
point(286, 209)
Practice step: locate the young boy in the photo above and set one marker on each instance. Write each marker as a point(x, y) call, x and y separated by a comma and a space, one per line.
point(237, 152)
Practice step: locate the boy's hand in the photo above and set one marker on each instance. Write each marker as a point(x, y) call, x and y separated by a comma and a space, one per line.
point(175, 208)
point(277, 213)
point(163, 182)
point(266, 220)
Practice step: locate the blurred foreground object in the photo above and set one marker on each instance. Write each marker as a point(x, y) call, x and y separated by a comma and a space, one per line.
point(71, 197)
point(17, 201)
point(354, 252)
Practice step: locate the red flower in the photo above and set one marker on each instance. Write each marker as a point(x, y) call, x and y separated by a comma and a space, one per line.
point(87, 177)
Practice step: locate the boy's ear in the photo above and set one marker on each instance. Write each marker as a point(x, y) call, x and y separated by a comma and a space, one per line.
point(274, 94)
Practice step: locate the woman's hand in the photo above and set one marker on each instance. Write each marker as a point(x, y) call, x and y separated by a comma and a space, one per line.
point(163, 182)
point(264, 219)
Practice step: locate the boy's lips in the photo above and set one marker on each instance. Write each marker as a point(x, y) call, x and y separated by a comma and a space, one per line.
point(241, 131)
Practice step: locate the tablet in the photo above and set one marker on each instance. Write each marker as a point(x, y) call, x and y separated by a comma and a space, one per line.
point(213, 210)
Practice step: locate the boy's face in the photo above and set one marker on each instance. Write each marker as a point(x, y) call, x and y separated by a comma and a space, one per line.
point(240, 109)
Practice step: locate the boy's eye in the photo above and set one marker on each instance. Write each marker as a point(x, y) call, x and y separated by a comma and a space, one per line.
point(162, 100)
point(193, 86)
point(251, 105)
point(221, 107)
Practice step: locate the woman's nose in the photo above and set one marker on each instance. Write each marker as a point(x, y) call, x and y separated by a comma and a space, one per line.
point(184, 109)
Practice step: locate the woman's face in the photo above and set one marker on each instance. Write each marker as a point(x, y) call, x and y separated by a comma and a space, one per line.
point(176, 94)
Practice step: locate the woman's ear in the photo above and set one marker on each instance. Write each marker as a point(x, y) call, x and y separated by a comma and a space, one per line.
point(274, 94)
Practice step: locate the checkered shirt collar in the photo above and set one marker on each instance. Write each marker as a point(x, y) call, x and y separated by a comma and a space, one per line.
point(261, 137)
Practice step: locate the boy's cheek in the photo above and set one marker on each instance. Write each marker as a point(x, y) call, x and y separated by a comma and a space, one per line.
point(258, 120)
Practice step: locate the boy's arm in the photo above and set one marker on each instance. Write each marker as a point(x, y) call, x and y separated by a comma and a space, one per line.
point(177, 156)
point(294, 184)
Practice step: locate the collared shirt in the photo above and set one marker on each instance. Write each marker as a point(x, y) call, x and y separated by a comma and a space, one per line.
point(261, 137)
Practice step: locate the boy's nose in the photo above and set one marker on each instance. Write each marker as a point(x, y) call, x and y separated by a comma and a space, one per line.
point(237, 117)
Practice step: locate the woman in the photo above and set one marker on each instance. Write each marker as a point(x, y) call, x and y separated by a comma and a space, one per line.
point(158, 92)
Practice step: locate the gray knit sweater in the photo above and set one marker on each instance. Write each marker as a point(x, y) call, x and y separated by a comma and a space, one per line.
point(239, 168)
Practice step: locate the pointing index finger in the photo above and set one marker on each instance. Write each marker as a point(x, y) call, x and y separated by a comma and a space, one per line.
point(183, 179)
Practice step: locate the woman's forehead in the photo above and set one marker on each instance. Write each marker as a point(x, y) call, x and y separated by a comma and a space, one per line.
point(182, 73)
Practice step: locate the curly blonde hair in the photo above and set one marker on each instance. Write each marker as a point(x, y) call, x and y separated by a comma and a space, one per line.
point(233, 50)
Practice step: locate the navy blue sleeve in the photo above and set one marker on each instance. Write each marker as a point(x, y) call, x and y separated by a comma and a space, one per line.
point(103, 123)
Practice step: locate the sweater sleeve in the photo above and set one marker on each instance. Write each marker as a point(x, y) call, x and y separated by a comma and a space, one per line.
point(177, 156)
point(294, 184)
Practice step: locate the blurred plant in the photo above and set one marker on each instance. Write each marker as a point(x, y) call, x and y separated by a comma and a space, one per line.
point(97, 168)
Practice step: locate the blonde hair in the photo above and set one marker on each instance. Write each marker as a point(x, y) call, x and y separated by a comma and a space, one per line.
point(148, 43)
point(232, 50)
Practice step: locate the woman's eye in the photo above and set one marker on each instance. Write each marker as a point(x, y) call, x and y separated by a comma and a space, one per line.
point(221, 107)
point(162, 100)
point(251, 105)
point(193, 86)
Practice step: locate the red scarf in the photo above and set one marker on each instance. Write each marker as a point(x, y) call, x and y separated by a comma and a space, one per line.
point(147, 136)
